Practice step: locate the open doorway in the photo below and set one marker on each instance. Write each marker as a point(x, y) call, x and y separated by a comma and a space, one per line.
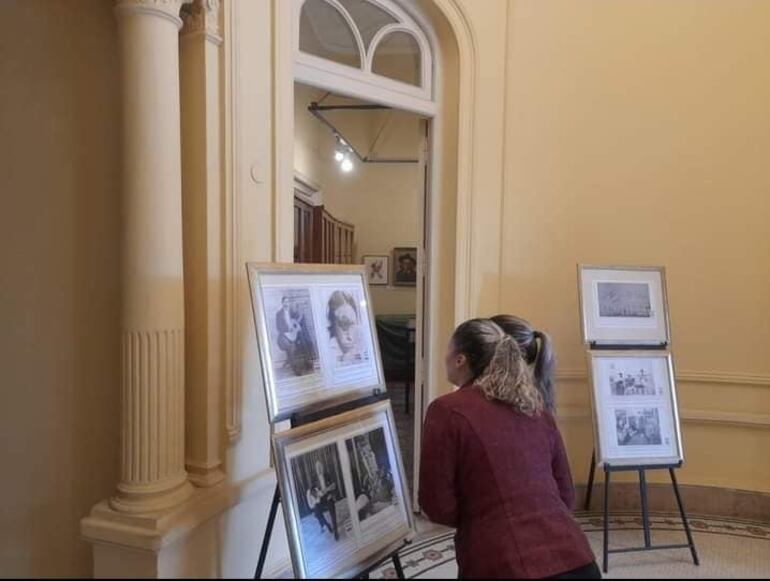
point(360, 174)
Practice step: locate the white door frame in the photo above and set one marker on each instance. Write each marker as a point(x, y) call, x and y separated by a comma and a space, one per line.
point(286, 72)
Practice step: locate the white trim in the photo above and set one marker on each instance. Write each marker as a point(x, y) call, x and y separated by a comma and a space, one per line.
point(324, 73)
point(354, 83)
point(422, 44)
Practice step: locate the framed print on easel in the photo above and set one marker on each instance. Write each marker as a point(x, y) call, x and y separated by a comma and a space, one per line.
point(345, 500)
point(623, 305)
point(316, 336)
point(636, 416)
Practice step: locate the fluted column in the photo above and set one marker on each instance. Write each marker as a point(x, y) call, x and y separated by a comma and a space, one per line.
point(153, 476)
point(203, 236)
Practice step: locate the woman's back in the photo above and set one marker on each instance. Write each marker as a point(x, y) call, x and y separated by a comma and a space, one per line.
point(502, 478)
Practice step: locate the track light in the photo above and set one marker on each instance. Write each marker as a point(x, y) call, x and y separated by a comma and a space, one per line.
point(338, 155)
point(346, 165)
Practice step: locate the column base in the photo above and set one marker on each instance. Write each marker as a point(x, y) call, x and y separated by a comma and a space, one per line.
point(154, 498)
point(205, 476)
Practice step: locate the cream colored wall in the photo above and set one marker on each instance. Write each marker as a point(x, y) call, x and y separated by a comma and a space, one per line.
point(637, 133)
point(380, 200)
point(59, 287)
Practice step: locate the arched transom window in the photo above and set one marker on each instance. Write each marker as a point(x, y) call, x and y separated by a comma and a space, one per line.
point(364, 46)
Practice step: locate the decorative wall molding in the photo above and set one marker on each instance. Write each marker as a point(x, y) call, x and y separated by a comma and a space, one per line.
point(202, 17)
point(730, 419)
point(168, 9)
point(155, 532)
point(754, 379)
point(233, 262)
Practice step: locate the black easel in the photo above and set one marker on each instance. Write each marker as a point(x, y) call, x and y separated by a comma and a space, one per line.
point(648, 546)
point(608, 470)
point(299, 420)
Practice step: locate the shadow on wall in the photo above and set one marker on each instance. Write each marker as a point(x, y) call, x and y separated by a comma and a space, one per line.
point(60, 285)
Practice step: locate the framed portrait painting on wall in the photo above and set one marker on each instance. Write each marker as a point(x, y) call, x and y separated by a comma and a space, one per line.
point(636, 415)
point(315, 336)
point(345, 500)
point(623, 305)
point(405, 266)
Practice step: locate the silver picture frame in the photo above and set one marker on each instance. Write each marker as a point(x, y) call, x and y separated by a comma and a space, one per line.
point(635, 408)
point(360, 524)
point(305, 365)
point(623, 305)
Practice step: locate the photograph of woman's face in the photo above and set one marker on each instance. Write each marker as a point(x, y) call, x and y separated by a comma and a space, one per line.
point(346, 327)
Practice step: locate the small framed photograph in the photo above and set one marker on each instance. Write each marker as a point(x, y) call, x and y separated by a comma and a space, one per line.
point(315, 335)
point(636, 416)
point(623, 305)
point(377, 269)
point(345, 500)
point(405, 266)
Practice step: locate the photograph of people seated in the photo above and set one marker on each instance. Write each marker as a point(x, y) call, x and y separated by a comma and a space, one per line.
point(373, 484)
point(346, 344)
point(638, 427)
point(322, 504)
point(295, 350)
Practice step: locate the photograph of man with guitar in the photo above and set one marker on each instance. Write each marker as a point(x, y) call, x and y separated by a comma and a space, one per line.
point(294, 338)
point(320, 498)
point(322, 501)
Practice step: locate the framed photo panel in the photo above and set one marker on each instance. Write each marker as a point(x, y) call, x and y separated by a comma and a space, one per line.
point(345, 500)
point(623, 305)
point(377, 269)
point(636, 416)
point(315, 335)
point(405, 266)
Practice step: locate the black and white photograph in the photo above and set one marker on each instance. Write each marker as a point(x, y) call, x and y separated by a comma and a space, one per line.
point(638, 427)
point(635, 409)
point(373, 484)
point(315, 335)
point(377, 269)
point(623, 305)
point(322, 504)
point(292, 333)
point(631, 377)
point(343, 495)
point(346, 338)
point(624, 299)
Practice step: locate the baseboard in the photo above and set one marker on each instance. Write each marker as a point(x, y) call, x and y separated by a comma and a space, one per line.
point(701, 500)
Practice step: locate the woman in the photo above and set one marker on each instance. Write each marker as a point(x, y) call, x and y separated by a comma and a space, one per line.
point(494, 466)
point(342, 314)
point(536, 349)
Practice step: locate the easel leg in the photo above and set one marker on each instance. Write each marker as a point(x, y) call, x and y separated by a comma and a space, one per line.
point(397, 565)
point(684, 518)
point(590, 487)
point(645, 510)
point(606, 518)
point(268, 533)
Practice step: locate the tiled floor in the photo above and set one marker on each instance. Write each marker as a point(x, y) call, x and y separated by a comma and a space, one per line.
point(726, 548)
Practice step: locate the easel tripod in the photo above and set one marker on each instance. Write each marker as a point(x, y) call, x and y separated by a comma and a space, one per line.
point(648, 546)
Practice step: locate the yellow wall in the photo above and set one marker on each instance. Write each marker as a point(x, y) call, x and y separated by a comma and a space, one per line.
point(59, 285)
point(637, 133)
point(380, 200)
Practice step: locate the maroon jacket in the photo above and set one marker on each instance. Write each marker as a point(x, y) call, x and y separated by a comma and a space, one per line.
point(502, 479)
